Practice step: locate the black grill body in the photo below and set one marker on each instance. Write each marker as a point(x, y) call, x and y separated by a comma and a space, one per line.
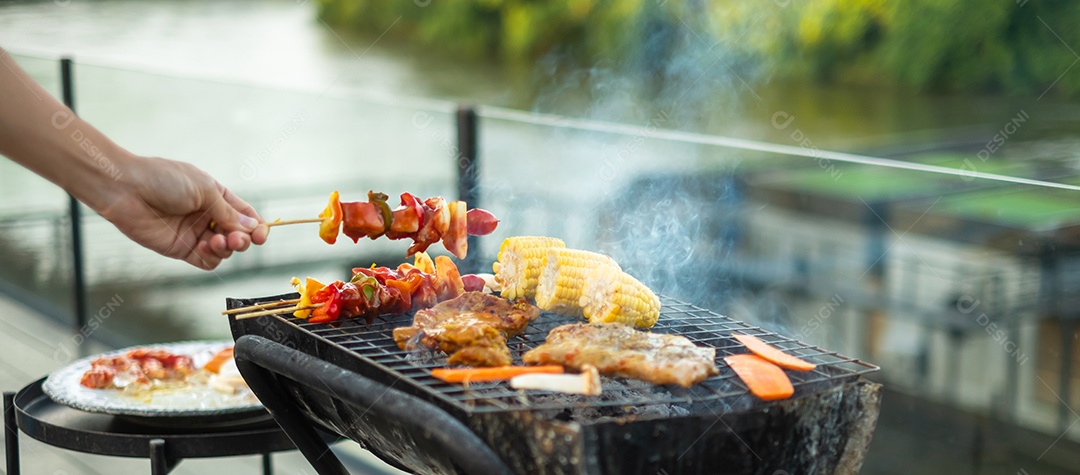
point(633, 428)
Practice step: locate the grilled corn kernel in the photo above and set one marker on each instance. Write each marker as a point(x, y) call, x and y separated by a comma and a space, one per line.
point(611, 295)
point(562, 278)
point(519, 262)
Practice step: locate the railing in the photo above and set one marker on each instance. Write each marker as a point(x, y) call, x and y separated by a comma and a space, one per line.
point(733, 224)
point(78, 270)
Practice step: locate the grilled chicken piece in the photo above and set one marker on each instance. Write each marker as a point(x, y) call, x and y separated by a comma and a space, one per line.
point(618, 350)
point(471, 328)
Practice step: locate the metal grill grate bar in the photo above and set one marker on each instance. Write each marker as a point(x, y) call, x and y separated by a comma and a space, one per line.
point(372, 346)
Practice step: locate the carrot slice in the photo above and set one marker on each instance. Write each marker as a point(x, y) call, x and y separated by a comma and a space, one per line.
point(764, 379)
point(774, 355)
point(497, 373)
point(214, 365)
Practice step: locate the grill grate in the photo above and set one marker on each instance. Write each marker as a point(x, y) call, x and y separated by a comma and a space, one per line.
point(373, 345)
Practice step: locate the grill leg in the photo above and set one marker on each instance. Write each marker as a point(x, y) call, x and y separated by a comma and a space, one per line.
point(11, 435)
point(268, 464)
point(271, 394)
point(159, 460)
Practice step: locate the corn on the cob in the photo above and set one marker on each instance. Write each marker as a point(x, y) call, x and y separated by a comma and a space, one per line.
point(562, 278)
point(519, 262)
point(611, 295)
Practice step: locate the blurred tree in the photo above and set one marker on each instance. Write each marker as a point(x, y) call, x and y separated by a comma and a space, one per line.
point(1016, 46)
point(508, 29)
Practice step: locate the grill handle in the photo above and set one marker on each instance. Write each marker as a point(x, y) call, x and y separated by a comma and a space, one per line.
point(260, 360)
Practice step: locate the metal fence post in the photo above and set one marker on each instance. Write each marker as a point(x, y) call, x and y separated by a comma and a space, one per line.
point(468, 175)
point(79, 275)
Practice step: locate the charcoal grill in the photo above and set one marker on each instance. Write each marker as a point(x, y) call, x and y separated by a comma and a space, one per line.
point(350, 377)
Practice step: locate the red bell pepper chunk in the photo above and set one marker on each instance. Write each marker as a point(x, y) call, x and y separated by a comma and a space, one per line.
point(330, 297)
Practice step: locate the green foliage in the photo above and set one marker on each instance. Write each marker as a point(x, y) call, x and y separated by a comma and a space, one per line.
point(931, 45)
point(506, 29)
point(1017, 46)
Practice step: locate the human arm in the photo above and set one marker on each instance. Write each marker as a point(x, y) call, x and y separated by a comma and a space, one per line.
point(164, 205)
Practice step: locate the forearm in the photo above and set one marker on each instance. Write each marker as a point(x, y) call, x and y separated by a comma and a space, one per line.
point(165, 205)
point(43, 135)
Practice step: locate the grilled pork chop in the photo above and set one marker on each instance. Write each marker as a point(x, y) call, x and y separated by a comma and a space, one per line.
point(472, 328)
point(619, 350)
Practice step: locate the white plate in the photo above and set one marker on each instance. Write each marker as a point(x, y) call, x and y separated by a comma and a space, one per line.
point(194, 400)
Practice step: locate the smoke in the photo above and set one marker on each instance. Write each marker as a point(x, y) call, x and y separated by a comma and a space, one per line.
point(668, 213)
point(676, 233)
point(673, 59)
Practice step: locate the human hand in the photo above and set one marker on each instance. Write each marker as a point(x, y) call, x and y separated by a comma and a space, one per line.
point(164, 205)
point(169, 207)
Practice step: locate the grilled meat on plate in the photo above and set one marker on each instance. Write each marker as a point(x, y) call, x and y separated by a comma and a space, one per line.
point(140, 366)
point(619, 350)
point(471, 328)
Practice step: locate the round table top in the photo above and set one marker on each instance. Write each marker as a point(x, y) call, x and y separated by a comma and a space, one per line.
point(55, 424)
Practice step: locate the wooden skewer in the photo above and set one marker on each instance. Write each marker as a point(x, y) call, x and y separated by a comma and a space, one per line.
point(294, 221)
point(275, 311)
point(282, 222)
point(261, 306)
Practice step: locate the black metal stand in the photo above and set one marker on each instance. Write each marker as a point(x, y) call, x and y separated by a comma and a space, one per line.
point(11, 434)
point(159, 460)
point(36, 415)
point(263, 361)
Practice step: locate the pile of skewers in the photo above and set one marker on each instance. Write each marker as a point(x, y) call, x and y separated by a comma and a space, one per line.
point(373, 291)
point(378, 290)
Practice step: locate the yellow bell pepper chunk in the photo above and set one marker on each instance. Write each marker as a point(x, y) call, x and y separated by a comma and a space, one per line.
point(306, 289)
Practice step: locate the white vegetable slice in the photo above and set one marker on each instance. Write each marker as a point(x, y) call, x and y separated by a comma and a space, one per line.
point(490, 284)
point(587, 382)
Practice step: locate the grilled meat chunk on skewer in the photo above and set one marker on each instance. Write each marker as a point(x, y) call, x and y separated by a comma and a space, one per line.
point(619, 350)
point(471, 328)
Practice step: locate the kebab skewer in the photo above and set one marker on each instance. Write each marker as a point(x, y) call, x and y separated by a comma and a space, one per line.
point(373, 291)
point(424, 221)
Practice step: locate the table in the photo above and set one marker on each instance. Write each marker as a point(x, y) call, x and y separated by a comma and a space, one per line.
point(166, 445)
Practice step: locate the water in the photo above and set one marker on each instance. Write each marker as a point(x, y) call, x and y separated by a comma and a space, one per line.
point(271, 42)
